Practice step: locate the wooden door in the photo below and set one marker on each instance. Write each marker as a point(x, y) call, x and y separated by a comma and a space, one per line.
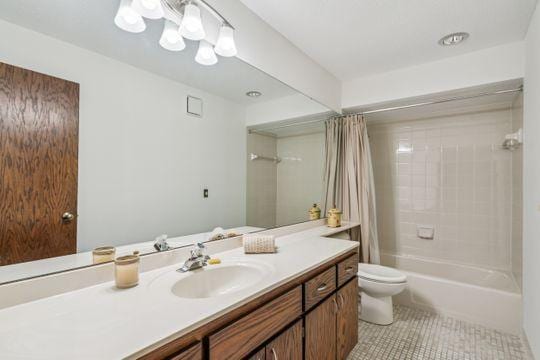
point(320, 331)
point(39, 118)
point(347, 319)
point(288, 345)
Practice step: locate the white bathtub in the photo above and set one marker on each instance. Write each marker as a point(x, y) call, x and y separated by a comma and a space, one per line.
point(487, 297)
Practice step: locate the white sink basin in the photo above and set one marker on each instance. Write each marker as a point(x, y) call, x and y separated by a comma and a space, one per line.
point(219, 280)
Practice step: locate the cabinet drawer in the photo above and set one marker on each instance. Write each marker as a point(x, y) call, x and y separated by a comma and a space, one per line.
point(192, 353)
point(319, 287)
point(347, 269)
point(245, 335)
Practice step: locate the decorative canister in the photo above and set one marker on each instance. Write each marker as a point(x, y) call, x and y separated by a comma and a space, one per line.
point(334, 217)
point(103, 254)
point(314, 213)
point(126, 270)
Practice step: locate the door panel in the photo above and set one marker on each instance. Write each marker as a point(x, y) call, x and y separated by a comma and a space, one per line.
point(288, 345)
point(39, 117)
point(320, 328)
point(347, 319)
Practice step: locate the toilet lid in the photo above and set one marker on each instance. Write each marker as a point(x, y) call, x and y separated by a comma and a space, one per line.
point(380, 273)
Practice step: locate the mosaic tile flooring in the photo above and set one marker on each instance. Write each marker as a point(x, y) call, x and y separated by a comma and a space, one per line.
point(421, 335)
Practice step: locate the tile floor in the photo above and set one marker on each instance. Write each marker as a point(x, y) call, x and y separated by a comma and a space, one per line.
point(421, 335)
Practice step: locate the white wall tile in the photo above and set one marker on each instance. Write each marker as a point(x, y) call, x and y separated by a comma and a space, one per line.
point(449, 172)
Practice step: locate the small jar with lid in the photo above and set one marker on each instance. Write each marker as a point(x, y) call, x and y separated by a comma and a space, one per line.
point(126, 270)
point(314, 213)
point(103, 254)
point(334, 217)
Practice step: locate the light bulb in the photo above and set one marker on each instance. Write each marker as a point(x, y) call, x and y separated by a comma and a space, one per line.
point(191, 27)
point(171, 38)
point(225, 45)
point(128, 19)
point(150, 9)
point(205, 54)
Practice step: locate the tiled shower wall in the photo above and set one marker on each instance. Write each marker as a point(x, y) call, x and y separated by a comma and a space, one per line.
point(261, 182)
point(449, 173)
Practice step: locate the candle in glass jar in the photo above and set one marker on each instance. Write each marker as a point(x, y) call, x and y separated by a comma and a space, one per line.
point(126, 271)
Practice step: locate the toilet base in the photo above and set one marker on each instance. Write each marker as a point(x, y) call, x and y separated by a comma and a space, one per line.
point(376, 310)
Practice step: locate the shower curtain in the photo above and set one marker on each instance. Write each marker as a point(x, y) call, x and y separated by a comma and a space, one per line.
point(348, 180)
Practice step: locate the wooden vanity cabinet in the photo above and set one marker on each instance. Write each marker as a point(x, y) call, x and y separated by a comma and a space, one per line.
point(347, 319)
point(320, 330)
point(195, 352)
point(314, 316)
point(287, 345)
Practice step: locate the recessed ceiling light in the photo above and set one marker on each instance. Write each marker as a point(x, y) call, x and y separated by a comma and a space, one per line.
point(253, 93)
point(453, 39)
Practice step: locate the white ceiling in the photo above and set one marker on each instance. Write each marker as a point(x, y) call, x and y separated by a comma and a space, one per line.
point(353, 38)
point(89, 24)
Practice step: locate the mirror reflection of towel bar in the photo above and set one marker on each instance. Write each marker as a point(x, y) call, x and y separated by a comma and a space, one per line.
point(252, 157)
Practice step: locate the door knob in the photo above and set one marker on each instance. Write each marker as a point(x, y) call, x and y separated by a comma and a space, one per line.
point(67, 217)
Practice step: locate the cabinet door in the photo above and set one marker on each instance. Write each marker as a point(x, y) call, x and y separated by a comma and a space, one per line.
point(320, 331)
point(347, 319)
point(287, 345)
point(260, 355)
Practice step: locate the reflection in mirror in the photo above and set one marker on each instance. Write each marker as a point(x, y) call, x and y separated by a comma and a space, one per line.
point(99, 149)
point(285, 161)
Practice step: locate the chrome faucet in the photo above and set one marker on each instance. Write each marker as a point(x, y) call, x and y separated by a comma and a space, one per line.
point(161, 243)
point(196, 260)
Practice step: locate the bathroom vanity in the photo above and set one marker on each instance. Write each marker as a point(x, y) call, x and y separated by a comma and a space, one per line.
point(313, 316)
point(300, 303)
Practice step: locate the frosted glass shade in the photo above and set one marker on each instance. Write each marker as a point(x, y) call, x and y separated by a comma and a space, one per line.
point(225, 45)
point(150, 9)
point(128, 19)
point(171, 38)
point(191, 27)
point(205, 54)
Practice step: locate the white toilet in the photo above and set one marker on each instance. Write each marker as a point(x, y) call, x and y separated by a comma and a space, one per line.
point(377, 286)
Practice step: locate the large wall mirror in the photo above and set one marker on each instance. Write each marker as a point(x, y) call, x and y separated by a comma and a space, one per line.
point(106, 139)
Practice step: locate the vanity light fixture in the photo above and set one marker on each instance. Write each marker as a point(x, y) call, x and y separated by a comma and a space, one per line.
point(128, 19)
point(453, 39)
point(192, 27)
point(205, 54)
point(253, 93)
point(182, 20)
point(171, 38)
point(150, 9)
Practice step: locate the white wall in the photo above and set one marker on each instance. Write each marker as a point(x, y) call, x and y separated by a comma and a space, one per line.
point(263, 47)
point(531, 187)
point(284, 108)
point(501, 63)
point(299, 176)
point(143, 163)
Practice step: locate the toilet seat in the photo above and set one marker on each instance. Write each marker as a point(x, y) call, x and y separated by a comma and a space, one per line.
point(381, 274)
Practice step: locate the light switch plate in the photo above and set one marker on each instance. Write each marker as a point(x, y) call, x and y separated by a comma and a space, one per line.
point(194, 106)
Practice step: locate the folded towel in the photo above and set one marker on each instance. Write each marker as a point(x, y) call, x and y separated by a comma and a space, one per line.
point(259, 244)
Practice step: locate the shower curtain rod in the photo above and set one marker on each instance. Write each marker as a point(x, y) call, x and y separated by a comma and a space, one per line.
point(434, 102)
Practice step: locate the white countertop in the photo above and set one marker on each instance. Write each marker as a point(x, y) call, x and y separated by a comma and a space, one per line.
point(61, 263)
point(102, 322)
